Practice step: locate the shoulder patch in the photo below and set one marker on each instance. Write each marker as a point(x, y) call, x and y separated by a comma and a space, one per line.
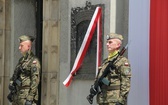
point(127, 72)
point(34, 69)
point(126, 64)
point(34, 62)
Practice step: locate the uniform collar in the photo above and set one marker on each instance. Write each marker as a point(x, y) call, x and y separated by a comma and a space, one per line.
point(113, 54)
point(27, 56)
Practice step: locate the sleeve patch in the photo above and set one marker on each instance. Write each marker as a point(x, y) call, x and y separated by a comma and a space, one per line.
point(34, 69)
point(127, 72)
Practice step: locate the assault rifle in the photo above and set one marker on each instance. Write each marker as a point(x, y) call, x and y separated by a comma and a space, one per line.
point(95, 88)
point(12, 87)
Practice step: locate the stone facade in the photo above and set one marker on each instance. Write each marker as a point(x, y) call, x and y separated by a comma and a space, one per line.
point(18, 17)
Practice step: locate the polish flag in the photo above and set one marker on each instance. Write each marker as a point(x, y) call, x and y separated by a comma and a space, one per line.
point(148, 52)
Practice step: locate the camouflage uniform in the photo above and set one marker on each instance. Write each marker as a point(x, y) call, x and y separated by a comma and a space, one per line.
point(26, 78)
point(119, 78)
point(29, 77)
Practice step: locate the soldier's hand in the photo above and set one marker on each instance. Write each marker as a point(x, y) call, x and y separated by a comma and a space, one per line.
point(9, 97)
point(28, 102)
point(11, 87)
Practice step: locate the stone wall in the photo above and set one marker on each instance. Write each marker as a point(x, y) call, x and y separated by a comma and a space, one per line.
point(76, 93)
point(5, 49)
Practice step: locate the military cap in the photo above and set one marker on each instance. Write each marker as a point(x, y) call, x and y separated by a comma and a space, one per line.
point(114, 36)
point(25, 38)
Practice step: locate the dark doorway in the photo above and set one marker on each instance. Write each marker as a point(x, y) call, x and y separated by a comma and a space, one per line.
point(38, 45)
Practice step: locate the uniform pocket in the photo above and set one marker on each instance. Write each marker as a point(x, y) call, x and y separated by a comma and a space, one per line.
point(23, 93)
point(26, 82)
point(112, 96)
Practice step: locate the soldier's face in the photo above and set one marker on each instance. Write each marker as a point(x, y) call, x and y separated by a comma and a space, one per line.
point(112, 45)
point(24, 47)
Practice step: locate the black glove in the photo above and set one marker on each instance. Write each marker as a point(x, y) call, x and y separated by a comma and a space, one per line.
point(28, 102)
point(10, 97)
point(93, 91)
point(118, 103)
point(11, 87)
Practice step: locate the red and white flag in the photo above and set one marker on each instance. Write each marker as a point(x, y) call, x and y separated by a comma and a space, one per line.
point(148, 52)
point(95, 21)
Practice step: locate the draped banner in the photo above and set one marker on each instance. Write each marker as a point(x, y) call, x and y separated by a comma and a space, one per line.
point(95, 21)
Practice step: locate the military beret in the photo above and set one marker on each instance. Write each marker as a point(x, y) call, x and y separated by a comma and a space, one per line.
point(114, 36)
point(25, 38)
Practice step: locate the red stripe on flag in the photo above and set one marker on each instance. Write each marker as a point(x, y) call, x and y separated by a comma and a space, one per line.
point(158, 52)
point(100, 41)
point(69, 82)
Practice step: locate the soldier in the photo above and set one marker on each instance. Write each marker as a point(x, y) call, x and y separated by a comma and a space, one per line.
point(119, 78)
point(24, 83)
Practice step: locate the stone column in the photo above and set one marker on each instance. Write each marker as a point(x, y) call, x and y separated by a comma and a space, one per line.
point(5, 31)
point(50, 53)
point(2, 46)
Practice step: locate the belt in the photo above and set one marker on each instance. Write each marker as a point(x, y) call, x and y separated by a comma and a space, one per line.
point(23, 87)
point(108, 88)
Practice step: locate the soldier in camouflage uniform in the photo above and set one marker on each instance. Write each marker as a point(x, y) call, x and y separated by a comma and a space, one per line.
point(116, 93)
point(25, 80)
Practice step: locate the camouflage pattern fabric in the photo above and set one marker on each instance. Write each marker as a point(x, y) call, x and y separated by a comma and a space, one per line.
point(108, 104)
point(29, 77)
point(119, 78)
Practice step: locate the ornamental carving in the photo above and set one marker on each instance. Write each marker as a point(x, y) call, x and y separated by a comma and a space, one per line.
point(80, 20)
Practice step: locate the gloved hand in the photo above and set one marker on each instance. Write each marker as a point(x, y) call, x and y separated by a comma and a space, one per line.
point(118, 103)
point(10, 97)
point(11, 87)
point(28, 102)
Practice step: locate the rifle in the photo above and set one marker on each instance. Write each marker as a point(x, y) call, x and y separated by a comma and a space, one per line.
point(94, 88)
point(12, 87)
